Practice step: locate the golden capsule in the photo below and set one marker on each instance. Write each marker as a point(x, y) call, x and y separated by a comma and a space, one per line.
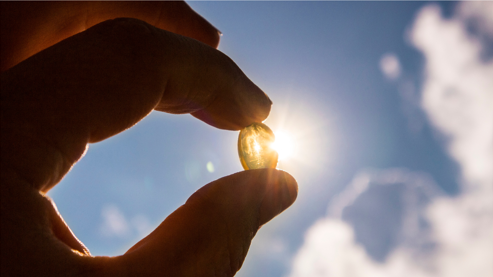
point(254, 147)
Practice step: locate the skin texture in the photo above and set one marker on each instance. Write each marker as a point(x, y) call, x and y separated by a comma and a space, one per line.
point(72, 75)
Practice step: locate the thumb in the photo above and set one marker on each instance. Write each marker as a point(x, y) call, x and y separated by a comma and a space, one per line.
point(211, 233)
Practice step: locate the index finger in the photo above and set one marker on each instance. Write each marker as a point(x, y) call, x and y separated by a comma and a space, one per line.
point(100, 82)
point(28, 28)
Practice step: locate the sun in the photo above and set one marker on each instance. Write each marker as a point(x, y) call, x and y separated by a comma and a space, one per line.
point(284, 145)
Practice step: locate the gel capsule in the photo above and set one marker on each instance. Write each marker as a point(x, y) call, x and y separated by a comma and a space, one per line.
point(254, 147)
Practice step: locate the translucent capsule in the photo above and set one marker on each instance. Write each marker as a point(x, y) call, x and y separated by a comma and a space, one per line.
point(254, 147)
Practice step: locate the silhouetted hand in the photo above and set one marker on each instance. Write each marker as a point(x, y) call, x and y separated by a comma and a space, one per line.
point(63, 87)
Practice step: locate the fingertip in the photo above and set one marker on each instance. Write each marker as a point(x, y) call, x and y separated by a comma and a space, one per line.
point(256, 103)
point(204, 31)
point(281, 193)
point(266, 191)
point(207, 34)
point(211, 35)
point(193, 25)
point(238, 106)
point(290, 188)
point(174, 16)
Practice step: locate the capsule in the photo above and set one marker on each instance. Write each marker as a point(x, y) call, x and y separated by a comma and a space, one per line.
point(254, 147)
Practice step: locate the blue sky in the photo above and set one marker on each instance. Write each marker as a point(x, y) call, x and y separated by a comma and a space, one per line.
point(389, 108)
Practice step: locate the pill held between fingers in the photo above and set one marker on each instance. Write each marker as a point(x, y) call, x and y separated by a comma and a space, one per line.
point(254, 147)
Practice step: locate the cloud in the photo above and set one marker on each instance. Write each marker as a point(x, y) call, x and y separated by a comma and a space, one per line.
point(390, 66)
point(329, 250)
point(458, 100)
point(479, 13)
point(442, 236)
point(116, 225)
point(114, 222)
point(342, 244)
point(458, 92)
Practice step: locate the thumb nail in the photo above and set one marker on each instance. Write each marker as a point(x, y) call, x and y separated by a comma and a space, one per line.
point(282, 192)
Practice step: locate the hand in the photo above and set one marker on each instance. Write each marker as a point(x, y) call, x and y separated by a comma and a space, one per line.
point(63, 87)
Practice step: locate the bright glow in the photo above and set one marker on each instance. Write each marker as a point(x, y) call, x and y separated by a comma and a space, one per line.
point(302, 137)
point(284, 145)
point(210, 167)
point(257, 147)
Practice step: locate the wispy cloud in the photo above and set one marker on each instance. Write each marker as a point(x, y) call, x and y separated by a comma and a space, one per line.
point(114, 222)
point(443, 236)
point(116, 225)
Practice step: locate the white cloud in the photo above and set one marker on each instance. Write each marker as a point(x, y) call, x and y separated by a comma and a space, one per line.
point(458, 92)
point(115, 224)
point(457, 98)
point(332, 246)
point(329, 250)
point(390, 66)
point(480, 13)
